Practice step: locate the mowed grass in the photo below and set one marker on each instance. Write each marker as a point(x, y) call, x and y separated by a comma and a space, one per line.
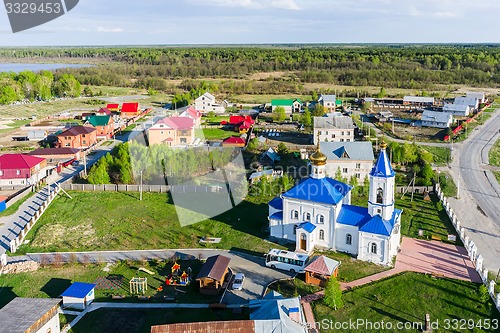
point(495, 154)
point(407, 298)
point(119, 221)
point(53, 280)
point(440, 155)
point(140, 321)
point(214, 133)
point(429, 216)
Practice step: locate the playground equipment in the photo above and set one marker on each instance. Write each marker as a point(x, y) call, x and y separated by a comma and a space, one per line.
point(138, 285)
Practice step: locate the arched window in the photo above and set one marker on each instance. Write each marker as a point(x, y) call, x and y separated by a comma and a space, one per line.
point(321, 219)
point(322, 234)
point(348, 239)
point(380, 195)
point(373, 248)
point(307, 216)
point(303, 236)
point(295, 214)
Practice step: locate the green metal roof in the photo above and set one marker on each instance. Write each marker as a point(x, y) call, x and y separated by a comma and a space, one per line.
point(338, 102)
point(99, 120)
point(283, 102)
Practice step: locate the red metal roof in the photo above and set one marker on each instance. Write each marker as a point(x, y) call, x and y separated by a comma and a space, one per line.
point(194, 113)
point(2, 198)
point(236, 120)
point(130, 107)
point(322, 265)
point(113, 106)
point(234, 326)
point(19, 161)
point(177, 123)
point(223, 122)
point(169, 140)
point(234, 140)
point(106, 111)
point(54, 151)
point(77, 130)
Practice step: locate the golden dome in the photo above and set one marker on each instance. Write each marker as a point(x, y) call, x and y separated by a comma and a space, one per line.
point(383, 145)
point(318, 158)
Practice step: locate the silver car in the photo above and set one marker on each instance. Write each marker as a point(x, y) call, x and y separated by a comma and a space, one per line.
point(238, 281)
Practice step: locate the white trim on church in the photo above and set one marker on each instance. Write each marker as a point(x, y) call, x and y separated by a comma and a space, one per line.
point(317, 213)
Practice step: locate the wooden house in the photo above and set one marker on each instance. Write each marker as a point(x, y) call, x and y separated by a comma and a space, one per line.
point(320, 270)
point(213, 274)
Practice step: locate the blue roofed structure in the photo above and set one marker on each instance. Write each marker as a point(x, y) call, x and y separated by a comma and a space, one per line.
point(382, 167)
point(78, 295)
point(359, 217)
point(78, 290)
point(322, 190)
point(276, 203)
point(277, 216)
point(307, 226)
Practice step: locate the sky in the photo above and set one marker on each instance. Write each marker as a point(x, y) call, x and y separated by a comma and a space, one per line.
point(148, 22)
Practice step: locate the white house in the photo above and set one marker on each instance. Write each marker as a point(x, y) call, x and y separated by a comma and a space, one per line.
point(460, 110)
point(290, 105)
point(333, 129)
point(473, 103)
point(328, 101)
point(193, 114)
point(418, 100)
point(206, 103)
point(33, 315)
point(78, 296)
point(353, 159)
point(477, 95)
point(437, 119)
point(317, 213)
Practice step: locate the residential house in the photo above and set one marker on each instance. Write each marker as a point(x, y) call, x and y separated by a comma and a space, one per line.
point(320, 270)
point(418, 101)
point(269, 158)
point(473, 103)
point(78, 296)
point(105, 126)
point(290, 105)
point(328, 101)
point(241, 124)
point(104, 112)
point(56, 154)
point(193, 114)
point(172, 131)
point(87, 115)
point(336, 129)
point(353, 159)
point(317, 213)
point(234, 142)
point(30, 315)
point(207, 103)
point(213, 274)
point(459, 110)
point(477, 95)
point(437, 119)
point(130, 109)
point(21, 169)
point(80, 137)
point(113, 107)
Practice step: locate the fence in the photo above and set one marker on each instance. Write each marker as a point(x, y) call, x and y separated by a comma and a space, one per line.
point(145, 188)
point(471, 248)
point(16, 242)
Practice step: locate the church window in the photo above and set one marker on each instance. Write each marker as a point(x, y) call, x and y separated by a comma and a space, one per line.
point(322, 234)
point(380, 195)
point(295, 214)
point(344, 170)
point(307, 216)
point(373, 248)
point(348, 239)
point(321, 219)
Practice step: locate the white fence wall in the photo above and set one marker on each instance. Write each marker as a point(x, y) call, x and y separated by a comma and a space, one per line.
point(471, 248)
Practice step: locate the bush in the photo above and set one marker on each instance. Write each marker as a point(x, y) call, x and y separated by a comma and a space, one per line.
point(484, 295)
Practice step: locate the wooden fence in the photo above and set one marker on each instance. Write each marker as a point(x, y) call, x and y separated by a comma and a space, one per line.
point(145, 188)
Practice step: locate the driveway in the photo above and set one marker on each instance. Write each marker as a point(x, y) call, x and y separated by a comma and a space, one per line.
point(433, 257)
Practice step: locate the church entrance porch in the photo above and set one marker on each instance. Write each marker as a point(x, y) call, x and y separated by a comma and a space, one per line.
point(303, 242)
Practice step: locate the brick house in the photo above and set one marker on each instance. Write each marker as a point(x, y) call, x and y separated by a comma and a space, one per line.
point(77, 137)
point(172, 131)
point(104, 125)
point(21, 169)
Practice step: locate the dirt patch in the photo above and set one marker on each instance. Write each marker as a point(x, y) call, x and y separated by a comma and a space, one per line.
point(80, 236)
point(266, 75)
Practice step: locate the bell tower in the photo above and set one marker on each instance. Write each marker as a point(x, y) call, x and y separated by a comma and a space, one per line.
point(318, 163)
point(382, 177)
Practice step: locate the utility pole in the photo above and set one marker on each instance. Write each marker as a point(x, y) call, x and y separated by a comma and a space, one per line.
point(140, 189)
point(84, 163)
point(393, 126)
point(458, 188)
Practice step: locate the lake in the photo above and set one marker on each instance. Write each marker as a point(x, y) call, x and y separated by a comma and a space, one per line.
point(19, 67)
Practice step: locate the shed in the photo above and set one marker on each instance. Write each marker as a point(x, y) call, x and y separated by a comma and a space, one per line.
point(233, 142)
point(213, 274)
point(34, 315)
point(78, 295)
point(3, 203)
point(320, 270)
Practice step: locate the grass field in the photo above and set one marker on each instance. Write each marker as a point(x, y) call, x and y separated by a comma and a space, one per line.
point(447, 184)
point(441, 156)
point(495, 154)
point(119, 221)
point(429, 216)
point(408, 298)
point(140, 321)
point(214, 133)
point(54, 280)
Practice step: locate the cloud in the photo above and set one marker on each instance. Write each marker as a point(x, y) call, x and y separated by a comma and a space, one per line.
point(252, 4)
point(103, 29)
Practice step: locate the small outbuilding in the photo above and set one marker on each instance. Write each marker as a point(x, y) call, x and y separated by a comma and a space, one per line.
point(213, 274)
point(78, 296)
point(3, 203)
point(320, 270)
point(33, 315)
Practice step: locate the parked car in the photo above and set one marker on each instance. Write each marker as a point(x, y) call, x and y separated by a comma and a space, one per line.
point(238, 281)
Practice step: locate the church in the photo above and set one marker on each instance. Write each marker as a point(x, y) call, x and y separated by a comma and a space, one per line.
point(317, 213)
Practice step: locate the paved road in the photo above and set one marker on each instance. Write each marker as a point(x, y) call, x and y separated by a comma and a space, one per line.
point(258, 276)
point(478, 208)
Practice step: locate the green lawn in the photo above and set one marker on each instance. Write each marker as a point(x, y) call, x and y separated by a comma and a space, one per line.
point(497, 175)
point(429, 216)
point(215, 120)
point(140, 321)
point(53, 280)
point(12, 209)
point(440, 155)
point(495, 154)
point(407, 298)
point(214, 133)
point(294, 287)
point(119, 221)
point(447, 184)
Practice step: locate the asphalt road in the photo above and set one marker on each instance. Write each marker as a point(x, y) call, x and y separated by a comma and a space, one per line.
point(478, 207)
